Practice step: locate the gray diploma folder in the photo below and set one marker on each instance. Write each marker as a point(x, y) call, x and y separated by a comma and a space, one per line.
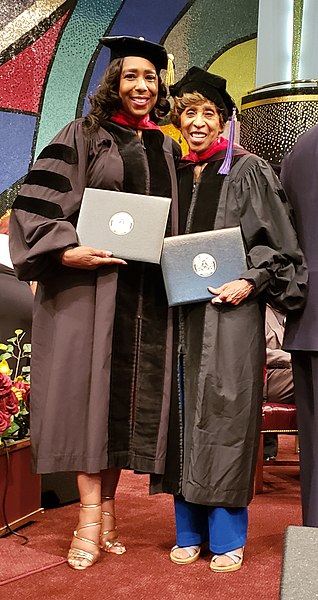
point(192, 262)
point(131, 226)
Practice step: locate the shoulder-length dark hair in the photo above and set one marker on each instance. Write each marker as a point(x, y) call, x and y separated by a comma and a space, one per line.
point(107, 102)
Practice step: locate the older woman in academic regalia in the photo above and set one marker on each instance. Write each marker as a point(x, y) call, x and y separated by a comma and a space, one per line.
point(215, 419)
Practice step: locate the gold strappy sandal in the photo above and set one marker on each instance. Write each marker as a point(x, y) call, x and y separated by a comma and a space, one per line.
point(76, 554)
point(113, 546)
point(236, 558)
point(193, 553)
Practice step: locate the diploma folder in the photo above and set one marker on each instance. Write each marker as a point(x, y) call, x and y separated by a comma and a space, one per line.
point(131, 226)
point(192, 262)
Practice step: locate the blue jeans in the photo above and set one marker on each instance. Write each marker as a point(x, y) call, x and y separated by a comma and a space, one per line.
point(224, 528)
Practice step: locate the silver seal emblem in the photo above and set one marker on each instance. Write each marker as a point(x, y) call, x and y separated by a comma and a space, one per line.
point(204, 265)
point(121, 223)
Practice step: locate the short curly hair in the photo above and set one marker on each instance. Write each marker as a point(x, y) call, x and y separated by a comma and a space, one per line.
point(107, 102)
point(188, 99)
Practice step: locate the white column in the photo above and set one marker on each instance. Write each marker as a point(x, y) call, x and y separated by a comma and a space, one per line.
point(308, 60)
point(274, 41)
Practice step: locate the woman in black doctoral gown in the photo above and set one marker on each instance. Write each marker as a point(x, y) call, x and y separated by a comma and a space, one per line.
point(102, 330)
point(215, 420)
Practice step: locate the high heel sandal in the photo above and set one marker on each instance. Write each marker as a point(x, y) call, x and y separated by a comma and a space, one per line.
point(113, 546)
point(76, 554)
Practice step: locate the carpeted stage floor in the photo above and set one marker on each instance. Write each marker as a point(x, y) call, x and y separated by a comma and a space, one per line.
point(145, 572)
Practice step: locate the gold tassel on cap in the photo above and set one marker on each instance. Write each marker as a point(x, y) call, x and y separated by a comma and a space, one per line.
point(170, 71)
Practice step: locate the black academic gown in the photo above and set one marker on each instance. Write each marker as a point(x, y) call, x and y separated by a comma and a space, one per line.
point(214, 434)
point(102, 339)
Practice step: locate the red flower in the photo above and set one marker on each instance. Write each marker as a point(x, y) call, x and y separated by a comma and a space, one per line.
point(12, 403)
point(21, 385)
point(22, 391)
point(5, 421)
point(14, 407)
point(5, 384)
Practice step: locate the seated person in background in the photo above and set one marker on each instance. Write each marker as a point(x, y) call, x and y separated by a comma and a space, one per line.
point(16, 298)
point(279, 385)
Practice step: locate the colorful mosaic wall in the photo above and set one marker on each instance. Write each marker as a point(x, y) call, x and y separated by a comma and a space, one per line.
point(50, 60)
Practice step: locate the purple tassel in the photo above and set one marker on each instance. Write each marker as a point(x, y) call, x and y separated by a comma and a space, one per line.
point(226, 164)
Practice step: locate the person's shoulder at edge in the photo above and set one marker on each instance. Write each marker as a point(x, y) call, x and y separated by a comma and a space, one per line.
point(309, 136)
point(305, 143)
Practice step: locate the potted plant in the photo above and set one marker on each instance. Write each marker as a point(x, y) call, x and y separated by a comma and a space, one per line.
point(20, 489)
point(14, 389)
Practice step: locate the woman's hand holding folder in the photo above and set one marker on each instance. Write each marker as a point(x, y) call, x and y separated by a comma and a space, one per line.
point(233, 291)
point(84, 257)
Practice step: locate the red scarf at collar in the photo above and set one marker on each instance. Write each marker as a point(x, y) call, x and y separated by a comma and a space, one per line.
point(219, 144)
point(124, 118)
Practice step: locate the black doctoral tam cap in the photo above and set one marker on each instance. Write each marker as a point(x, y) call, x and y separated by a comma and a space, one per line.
point(209, 85)
point(123, 45)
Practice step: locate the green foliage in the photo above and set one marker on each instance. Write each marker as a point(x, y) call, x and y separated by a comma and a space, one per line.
point(17, 351)
point(14, 426)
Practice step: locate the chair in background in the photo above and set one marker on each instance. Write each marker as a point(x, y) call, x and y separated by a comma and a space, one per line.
point(276, 418)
